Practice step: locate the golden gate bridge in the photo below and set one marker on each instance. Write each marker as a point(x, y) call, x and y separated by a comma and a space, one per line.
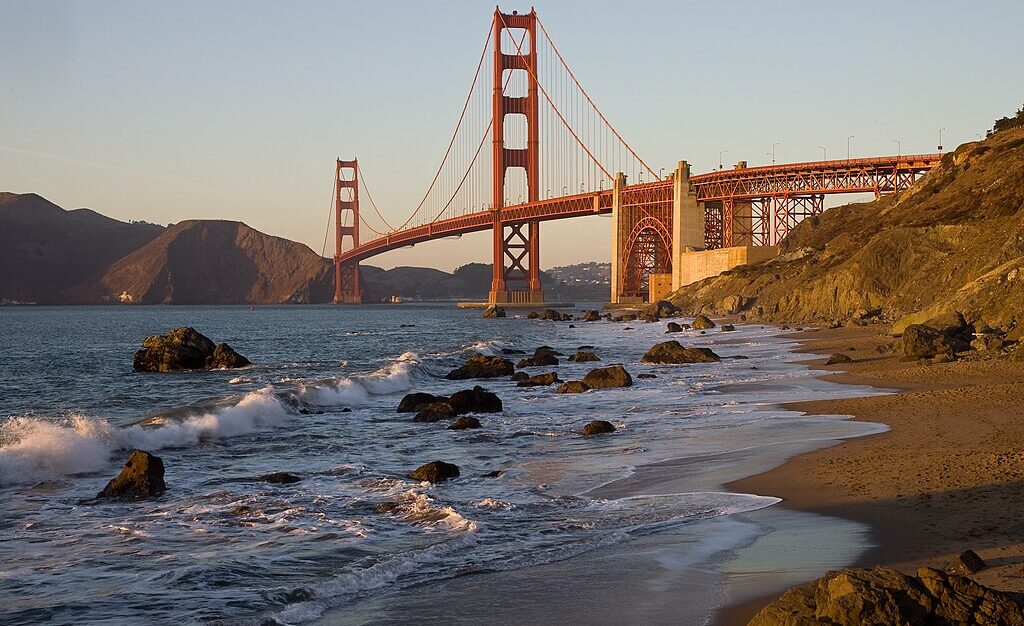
point(554, 155)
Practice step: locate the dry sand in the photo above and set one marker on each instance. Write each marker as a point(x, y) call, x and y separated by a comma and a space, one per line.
point(947, 477)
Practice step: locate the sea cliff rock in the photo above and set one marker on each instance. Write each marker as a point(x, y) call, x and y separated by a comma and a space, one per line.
point(141, 477)
point(482, 366)
point(862, 597)
point(608, 377)
point(673, 353)
point(184, 349)
point(435, 472)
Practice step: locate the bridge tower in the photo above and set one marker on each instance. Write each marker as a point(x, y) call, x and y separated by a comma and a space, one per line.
point(516, 244)
point(346, 202)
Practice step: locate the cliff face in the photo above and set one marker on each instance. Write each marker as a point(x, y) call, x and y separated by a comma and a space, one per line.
point(213, 262)
point(45, 250)
point(954, 241)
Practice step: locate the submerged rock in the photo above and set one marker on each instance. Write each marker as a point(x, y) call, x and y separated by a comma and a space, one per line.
point(584, 357)
point(141, 477)
point(608, 377)
point(280, 478)
point(435, 472)
point(475, 400)
point(184, 349)
point(573, 386)
point(465, 422)
point(482, 366)
point(598, 427)
point(673, 353)
point(493, 311)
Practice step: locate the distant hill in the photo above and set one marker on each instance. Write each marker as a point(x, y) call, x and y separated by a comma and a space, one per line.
point(45, 250)
point(213, 262)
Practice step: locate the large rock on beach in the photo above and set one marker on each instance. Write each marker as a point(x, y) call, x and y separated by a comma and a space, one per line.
point(435, 472)
point(883, 595)
point(482, 366)
point(920, 341)
point(184, 349)
point(664, 308)
point(141, 477)
point(608, 377)
point(598, 427)
point(702, 322)
point(673, 353)
point(494, 311)
point(573, 386)
point(475, 400)
point(413, 402)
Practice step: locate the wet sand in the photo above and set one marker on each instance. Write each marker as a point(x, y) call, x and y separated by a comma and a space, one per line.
point(946, 477)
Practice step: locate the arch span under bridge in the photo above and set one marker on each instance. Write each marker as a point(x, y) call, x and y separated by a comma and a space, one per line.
point(554, 155)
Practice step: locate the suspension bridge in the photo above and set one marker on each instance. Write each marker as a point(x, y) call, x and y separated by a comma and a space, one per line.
point(554, 155)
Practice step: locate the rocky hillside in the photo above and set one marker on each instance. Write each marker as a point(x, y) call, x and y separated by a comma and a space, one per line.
point(212, 262)
point(45, 250)
point(953, 242)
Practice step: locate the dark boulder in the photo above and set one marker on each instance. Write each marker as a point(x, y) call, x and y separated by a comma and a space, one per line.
point(184, 349)
point(950, 324)
point(968, 562)
point(551, 315)
point(413, 402)
point(838, 357)
point(280, 478)
point(532, 315)
point(519, 377)
point(702, 322)
point(435, 472)
point(572, 386)
point(482, 366)
point(587, 347)
point(465, 422)
point(728, 328)
point(493, 311)
point(584, 357)
point(475, 400)
point(141, 477)
point(540, 380)
point(920, 341)
point(672, 353)
point(673, 327)
point(492, 474)
point(598, 427)
point(649, 318)
point(435, 412)
point(543, 356)
point(591, 316)
point(646, 375)
point(664, 308)
point(608, 377)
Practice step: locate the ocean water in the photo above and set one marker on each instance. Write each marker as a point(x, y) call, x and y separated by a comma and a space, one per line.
point(221, 547)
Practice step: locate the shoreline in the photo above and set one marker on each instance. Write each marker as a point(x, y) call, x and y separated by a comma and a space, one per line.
point(944, 477)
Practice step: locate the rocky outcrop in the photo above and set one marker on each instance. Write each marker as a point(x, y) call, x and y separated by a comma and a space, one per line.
point(702, 322)
point(475, 400)
point(465, 422)
point(553, 316)
point(838, 357)
point(184, 349)
point(540, 380)
point(542, 356)
point(598, 427)
point(435, 412)
point(494, 311)
point(413, 402)
point(673, 353)
point(862, 597)
point(584, 356)
point(920, 341)
point(591, 316)
point(141, 477)
point(608, 377)
point(482, 366)
point(664, 308)
point(435, 472)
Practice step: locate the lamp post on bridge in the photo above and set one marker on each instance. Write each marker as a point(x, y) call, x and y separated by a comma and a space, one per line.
point(720, 153)
point(899, 148)
point(824, 155)
point(778, 143)
point(848, 146)
point(940, 139)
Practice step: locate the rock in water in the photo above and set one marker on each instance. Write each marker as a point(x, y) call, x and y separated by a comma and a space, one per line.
point(673, 327)
point(280, 478)
point(608, 377)
point(493, 311)
point(225, 358)
point(413, 402)
point(861, 597)
point(541, 356)
point(701, 322)
point(598, 427)
point(664, 308)
point(475, 400)
point(728, 328)
point(184, 349)
point(435, 472)
point(672, 353)
point(435, 412)
point(591, 316)
point(482, 366)
point(572, 386)
point(465, 422)
point(838, 357)
point(584, 356)
point(142, 477)
point(540, 380)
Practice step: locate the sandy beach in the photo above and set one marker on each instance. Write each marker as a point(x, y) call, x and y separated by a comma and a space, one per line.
point(945, 478)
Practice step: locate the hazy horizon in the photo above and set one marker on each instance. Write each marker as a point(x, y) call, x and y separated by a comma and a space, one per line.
point(167, 112)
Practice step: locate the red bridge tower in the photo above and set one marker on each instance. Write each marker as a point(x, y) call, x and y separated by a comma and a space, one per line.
point(346, 200)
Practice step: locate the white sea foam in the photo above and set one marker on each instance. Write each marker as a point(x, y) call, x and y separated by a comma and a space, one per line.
point(348, 390)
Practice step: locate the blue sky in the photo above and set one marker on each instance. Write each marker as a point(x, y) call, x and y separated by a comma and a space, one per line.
point(165, 111)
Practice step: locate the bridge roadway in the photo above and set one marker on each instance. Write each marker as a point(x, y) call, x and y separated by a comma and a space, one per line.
point(876, 175)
